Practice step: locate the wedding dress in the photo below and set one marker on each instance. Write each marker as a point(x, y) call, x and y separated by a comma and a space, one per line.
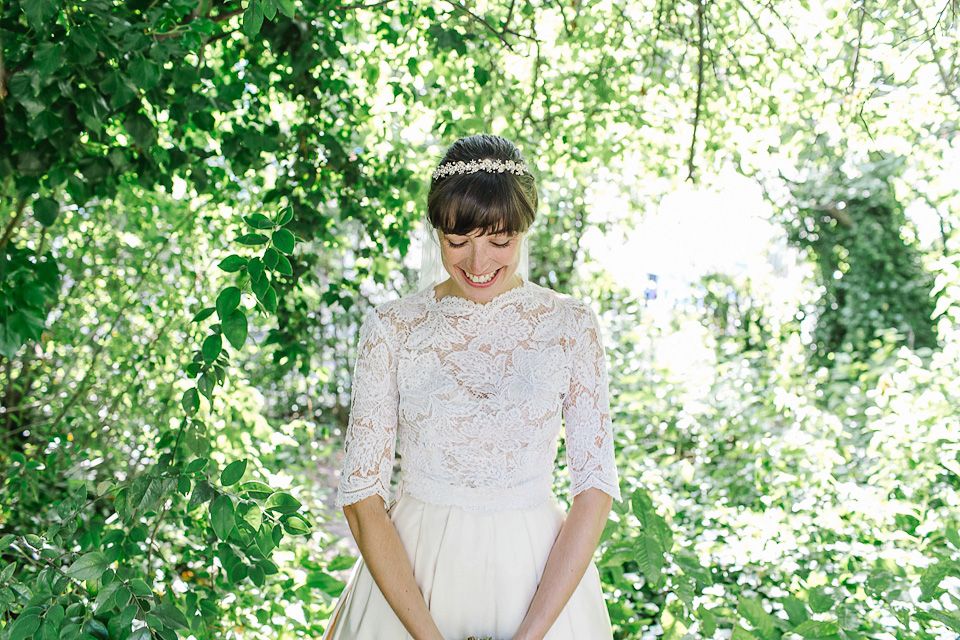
point(473, 398)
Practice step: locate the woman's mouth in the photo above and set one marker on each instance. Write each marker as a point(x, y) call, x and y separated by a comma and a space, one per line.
point(482, 281)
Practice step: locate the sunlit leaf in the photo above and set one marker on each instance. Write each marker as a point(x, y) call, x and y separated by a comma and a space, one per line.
point(89, 566)
point(284, 240)
point(233, 472)
point(221, 516)
point(227, 301)
point(283, 503)
point(235, 328)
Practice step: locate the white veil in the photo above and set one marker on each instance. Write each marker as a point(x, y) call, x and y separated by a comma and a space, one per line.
point(432, 272)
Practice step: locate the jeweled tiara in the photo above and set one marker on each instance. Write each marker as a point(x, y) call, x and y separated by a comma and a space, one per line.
point(490, 166)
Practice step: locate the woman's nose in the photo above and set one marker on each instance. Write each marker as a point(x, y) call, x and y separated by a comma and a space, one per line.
point(477, 260)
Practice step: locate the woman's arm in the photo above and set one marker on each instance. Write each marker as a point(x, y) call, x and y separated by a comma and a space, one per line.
point(385, 557)
point(567, 562)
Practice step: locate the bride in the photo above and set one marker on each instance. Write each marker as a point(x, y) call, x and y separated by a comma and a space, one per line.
point(471, 382)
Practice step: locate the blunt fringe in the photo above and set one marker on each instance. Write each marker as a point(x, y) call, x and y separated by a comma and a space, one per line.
point(462, 204)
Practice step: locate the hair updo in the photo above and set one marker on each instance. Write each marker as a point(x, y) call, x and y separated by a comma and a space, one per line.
point(462, 204)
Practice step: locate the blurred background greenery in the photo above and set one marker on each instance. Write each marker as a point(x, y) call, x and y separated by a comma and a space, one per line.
point(200, 198)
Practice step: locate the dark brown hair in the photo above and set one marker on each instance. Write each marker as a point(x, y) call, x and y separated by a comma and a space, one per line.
point(461, 204)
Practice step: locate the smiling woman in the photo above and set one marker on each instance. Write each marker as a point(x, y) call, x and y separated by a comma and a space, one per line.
point(481, 266)
point(471, 381)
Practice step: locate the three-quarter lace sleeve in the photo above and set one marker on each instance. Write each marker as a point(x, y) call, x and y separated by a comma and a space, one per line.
point(370, 442)
point(586, 412)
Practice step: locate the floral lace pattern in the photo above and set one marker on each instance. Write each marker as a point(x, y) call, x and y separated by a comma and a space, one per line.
point(473, 397)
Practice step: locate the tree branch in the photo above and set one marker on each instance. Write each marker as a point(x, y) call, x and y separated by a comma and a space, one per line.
point(691, 169)
point(944, 76)
point(13, 223)
point(500, 34)
point(374, 5)
point(856, 57)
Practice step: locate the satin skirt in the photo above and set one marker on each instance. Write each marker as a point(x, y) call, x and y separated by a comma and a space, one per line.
point(477, 572)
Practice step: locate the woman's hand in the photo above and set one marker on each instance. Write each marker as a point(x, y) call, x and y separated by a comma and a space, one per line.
point(389, 565)
point(568, 560)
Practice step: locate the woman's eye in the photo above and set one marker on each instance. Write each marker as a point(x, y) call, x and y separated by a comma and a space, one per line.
point(455, 245)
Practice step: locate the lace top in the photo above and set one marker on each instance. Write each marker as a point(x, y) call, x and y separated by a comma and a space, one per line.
point(471, 395)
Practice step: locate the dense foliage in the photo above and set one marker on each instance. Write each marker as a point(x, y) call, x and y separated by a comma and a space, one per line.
point(199, 199)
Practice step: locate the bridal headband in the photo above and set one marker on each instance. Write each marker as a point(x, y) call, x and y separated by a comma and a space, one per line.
point(490, 166)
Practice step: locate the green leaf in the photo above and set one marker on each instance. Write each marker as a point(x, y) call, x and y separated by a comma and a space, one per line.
point(141, 128)
point(89, 566)
point(190, 401)
point(256, 490)
point(232, 263)
point(796, 610)
point(238, 572)
point(270, 257)
point(952, 622)
point(739, 633)
point(205, 384)
point(250, 514)
point(761, 621)
point(341, 562)
point(708, 622)
point(325, 582)
point(283, 266)
point(817, 629)
point(931, 579)
point(203, 314)
point(691, 566)
point(6, 541)
point(105, 599)
point(211, 348)
point(953, 537)
point(49, 57)
point(201, 494)
point(24, 626)
point(287, 8)
point(140, 588)
point(45, 210)
point(252, 239)
point(227, 301)
point(55, 614)
point(146, 491)
point(221, 515)
point(47, 631)
point(258, 221)
point(145, 73)
point(196, 465)
point(284, 240)
point(235, 328)
point(39, 12)
point(252, 19)
point(256, 575)
point(649, 556)
point(255, 269)
point(171, 616)
point(285, 215)
point(650, 521)
point(232, 474)
point(269, 299)
point(820, 601)
point(283, 503)
point(295, 525)
point(8, 572)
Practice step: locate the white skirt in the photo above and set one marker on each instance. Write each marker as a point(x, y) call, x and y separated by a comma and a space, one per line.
point(477, 572)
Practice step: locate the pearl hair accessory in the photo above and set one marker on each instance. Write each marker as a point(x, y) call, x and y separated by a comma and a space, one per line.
point(490, 166)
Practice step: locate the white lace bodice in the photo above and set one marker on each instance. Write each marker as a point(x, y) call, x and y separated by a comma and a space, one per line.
point(472, 395)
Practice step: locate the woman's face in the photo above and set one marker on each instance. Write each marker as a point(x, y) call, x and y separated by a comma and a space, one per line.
point(481, 266)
